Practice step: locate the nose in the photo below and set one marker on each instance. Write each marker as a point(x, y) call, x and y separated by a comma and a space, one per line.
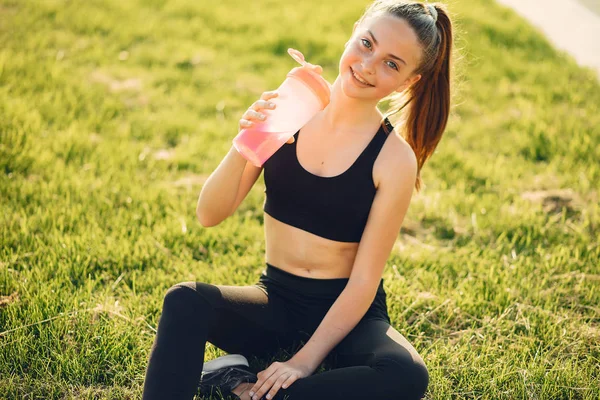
point(367, 66)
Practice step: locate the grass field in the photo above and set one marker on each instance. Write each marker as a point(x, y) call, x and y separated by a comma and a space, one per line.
point(113, 113)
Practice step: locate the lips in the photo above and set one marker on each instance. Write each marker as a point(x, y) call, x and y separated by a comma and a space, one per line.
point(359, 78)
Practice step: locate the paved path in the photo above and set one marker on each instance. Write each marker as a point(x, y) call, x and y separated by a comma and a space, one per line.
point(571, 25)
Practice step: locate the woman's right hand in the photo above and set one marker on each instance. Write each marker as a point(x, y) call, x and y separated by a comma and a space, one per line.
point(253, 114)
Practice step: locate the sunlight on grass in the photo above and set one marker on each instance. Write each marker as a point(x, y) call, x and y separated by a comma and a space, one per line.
point(114, 113)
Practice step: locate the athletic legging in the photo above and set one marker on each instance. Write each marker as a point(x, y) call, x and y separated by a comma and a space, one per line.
point(280, 312)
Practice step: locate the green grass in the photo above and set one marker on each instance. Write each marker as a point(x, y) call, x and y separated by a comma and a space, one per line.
point(113, 113)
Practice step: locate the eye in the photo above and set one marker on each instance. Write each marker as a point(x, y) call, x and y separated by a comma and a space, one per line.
point(391, 64)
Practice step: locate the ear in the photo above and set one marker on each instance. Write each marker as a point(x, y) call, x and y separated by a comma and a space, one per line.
point(409, 82)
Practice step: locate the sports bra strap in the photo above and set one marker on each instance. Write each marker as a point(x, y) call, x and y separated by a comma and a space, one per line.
point(387, 126)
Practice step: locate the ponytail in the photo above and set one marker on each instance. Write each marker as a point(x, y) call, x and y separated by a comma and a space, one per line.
point(424, 121)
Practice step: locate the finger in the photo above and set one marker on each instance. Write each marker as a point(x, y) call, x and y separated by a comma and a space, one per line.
point(254, 115)
point(314, 67)
point(291, 379)
point(291, 140)
point(269, 95)
point(262, 377)
point(277, 385)
point(266, 386)
point(318, 69)
point(257, 384)
point(258, 104)
point(245, 122)
point(264, 383)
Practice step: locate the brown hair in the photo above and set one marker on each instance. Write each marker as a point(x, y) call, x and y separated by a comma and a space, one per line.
point(424, 123)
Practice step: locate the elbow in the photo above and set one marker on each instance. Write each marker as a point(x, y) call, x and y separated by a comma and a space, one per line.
point(204, 220)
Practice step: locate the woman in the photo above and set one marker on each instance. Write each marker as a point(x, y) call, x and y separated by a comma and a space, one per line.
point(336, 197)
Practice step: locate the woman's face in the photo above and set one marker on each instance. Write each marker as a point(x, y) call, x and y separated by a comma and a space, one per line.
point(373, 53)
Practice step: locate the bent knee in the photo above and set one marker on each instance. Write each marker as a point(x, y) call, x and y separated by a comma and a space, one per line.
point(183, 298)
point(177, 291)
point(411, 372)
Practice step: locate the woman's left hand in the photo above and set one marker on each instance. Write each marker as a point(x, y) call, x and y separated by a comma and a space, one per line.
point(279, 374)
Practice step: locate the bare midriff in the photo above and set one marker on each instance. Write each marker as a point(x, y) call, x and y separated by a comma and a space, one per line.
point(302, 253)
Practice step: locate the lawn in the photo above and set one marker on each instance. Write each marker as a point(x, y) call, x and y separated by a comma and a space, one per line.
point(114, 113)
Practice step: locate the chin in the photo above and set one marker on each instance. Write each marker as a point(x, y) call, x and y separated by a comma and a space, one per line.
point(350, 91)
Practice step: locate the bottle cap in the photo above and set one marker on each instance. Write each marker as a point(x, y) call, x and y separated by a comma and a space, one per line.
point(320, 87)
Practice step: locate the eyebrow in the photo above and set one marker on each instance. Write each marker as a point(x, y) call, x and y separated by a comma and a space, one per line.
point(391, 55)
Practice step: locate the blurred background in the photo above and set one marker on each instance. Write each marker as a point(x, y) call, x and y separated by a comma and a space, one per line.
point(113, 114)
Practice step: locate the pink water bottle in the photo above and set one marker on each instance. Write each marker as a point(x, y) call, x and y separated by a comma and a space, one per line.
point(300, 97)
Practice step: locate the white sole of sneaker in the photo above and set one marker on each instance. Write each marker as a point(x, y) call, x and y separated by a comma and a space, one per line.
point(224, 361)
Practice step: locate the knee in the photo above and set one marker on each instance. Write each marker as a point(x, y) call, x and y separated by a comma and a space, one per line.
point(410, 376)
point(182, 298)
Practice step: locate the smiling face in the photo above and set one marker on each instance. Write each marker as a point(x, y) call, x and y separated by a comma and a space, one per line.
point(383, 52)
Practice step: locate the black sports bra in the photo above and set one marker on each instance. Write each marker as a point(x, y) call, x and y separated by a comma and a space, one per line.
point(335, 207)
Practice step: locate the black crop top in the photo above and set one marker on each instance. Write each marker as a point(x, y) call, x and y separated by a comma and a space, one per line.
point(335, 207)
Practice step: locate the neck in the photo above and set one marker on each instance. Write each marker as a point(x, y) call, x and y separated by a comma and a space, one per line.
point(346, 114)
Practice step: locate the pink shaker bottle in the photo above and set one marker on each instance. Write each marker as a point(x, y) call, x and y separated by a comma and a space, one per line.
point(301, 96)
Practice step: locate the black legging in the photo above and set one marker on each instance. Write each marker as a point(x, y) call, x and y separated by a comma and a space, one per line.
point(282, 311)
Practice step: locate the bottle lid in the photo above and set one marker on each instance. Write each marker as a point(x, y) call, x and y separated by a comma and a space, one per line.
point(320, 87)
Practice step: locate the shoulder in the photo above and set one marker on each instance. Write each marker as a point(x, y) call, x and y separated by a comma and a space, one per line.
point(396, 163)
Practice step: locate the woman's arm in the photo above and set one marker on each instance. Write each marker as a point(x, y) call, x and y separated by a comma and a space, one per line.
point(345, 313)
point(229, 184)
point(219, 192)
point(381, 232)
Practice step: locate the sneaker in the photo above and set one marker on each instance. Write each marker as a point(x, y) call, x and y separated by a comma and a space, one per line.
point(223, 374)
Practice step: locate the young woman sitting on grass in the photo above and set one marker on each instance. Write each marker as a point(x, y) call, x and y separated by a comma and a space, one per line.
point(335, 202)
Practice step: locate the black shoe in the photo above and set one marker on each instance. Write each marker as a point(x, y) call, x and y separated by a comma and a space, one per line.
point(223, 374)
